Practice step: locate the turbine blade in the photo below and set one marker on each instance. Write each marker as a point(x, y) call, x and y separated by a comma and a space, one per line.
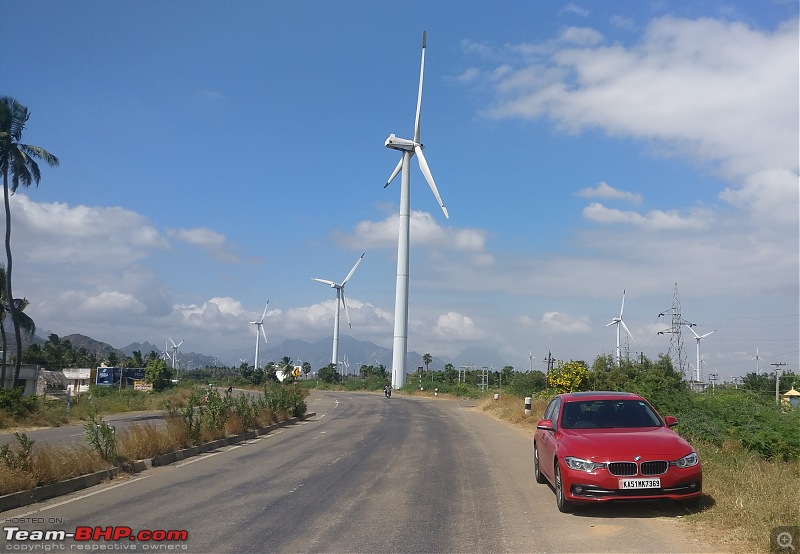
point(693, 332)
point(265, 312)
point(263, 334)
point(626, 330)
point(612, 323)
point(353, 270)
point(326, 282)
point(623, 304)
point(344, 303)
point(419, 94)
point(395, 172)
point(423, 165)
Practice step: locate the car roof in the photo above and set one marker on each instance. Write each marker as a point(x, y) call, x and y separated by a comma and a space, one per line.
point(599, 395)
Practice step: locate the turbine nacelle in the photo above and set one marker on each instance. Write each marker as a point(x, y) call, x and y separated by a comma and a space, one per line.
point(396, 143)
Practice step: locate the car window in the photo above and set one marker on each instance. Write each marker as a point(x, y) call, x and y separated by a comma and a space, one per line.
point(548, 413)
point(556, 410)
point(609, 414)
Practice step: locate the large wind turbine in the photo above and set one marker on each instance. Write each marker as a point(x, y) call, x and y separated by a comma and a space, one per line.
point(697, 338)
point(260, 330)
point(618, 321)
point(340, 300)
point(408, 148)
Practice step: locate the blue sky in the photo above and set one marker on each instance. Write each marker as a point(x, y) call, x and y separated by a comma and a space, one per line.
point(216, 155)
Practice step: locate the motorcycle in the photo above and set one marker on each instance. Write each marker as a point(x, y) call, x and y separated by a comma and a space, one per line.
point(387, 391)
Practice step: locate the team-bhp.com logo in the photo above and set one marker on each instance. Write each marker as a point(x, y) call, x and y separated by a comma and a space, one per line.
point(95, 534)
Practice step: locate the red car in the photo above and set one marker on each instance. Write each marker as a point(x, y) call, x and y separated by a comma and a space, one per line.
point(601, 446)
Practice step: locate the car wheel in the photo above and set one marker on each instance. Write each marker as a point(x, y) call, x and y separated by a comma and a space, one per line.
point(564, 505)
point(540, 478)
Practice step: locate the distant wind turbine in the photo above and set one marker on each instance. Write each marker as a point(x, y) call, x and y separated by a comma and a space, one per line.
point(409, 148)
point(697, 338)
point(618, 321)
point(174, 352)
point(260, 331)
point(757, 358)
point(340, 301)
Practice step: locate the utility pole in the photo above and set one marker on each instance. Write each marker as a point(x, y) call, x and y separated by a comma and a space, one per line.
point(676, 351)
point(549, 361)
point(778, 366)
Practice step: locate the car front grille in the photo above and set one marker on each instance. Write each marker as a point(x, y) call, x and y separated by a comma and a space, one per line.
point(622, 469)
point(654, 468)
point(629, 469)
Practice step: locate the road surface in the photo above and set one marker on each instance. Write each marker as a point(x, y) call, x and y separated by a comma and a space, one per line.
point(367, 474)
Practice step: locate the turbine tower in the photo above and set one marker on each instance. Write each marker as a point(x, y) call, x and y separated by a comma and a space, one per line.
point(697, 338)
point(409, 148)
point(340, 301)
point(260, 331)
point(619, 322)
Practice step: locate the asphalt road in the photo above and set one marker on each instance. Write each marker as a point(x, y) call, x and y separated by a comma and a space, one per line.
point(367, 474)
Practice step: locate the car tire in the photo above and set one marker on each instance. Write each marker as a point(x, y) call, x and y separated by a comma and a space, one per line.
point(564, 505)
point(537, 472)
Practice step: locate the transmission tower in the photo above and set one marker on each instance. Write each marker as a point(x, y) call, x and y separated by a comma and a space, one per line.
point(676, 352)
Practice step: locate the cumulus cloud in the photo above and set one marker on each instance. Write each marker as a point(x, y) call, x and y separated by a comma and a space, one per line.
point(207, 239)
point(660, 220)
point(86, 236)
point(710, 90)
point(454, 326)
point(564, 323)
point(603, 190)
point(425, 232)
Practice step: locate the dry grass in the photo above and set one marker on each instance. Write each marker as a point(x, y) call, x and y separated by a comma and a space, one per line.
point(145, 440)
point(49, 465)
point(745, 496)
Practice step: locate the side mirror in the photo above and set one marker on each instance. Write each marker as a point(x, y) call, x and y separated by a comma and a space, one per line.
point(545, 425)
point(671, 421)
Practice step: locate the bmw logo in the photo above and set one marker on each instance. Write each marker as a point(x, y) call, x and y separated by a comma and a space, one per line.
point(637, 458)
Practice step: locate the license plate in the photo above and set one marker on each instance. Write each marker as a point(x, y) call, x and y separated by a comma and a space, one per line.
point(640, 483)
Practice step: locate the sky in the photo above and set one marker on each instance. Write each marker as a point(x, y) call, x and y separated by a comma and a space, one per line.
point(217, 155)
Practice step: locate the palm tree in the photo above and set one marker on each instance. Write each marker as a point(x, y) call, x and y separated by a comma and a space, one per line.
point(427, 359)
point(25, 322)
point(17, 161)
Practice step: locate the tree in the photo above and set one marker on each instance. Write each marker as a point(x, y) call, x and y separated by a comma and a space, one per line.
point(328, 374)
point(159, 374)
point(427, 359)
point(25, 322)
point(17, 161)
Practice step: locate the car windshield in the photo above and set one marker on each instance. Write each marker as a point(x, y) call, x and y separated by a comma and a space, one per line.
point(608, 414)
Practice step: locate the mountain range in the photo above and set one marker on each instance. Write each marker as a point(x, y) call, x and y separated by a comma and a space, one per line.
point(354, 353)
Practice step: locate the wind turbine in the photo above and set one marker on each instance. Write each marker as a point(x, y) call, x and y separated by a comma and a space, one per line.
point(618, 321)
point(757, 358)
point(174, 353)
point(409, 148)
point(697, 338)
point(340, 301)
point(260, 330)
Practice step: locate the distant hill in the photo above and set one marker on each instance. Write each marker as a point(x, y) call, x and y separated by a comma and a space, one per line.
point(317, 353)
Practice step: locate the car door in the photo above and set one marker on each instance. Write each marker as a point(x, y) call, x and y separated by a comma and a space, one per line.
point(547, 445)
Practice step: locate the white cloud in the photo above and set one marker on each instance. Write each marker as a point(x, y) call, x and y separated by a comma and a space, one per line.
point(697, 219)
point(708, 90)
point(207, 239)
point(603, 190)
point(564, 323)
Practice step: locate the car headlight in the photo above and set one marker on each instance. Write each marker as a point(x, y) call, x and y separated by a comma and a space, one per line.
point(582, 465)
point(688, 461)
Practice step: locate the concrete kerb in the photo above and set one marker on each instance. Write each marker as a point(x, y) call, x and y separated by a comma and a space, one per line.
point(39, 494)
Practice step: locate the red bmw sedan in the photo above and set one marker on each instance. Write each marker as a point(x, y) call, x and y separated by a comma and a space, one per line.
point(602, 446)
